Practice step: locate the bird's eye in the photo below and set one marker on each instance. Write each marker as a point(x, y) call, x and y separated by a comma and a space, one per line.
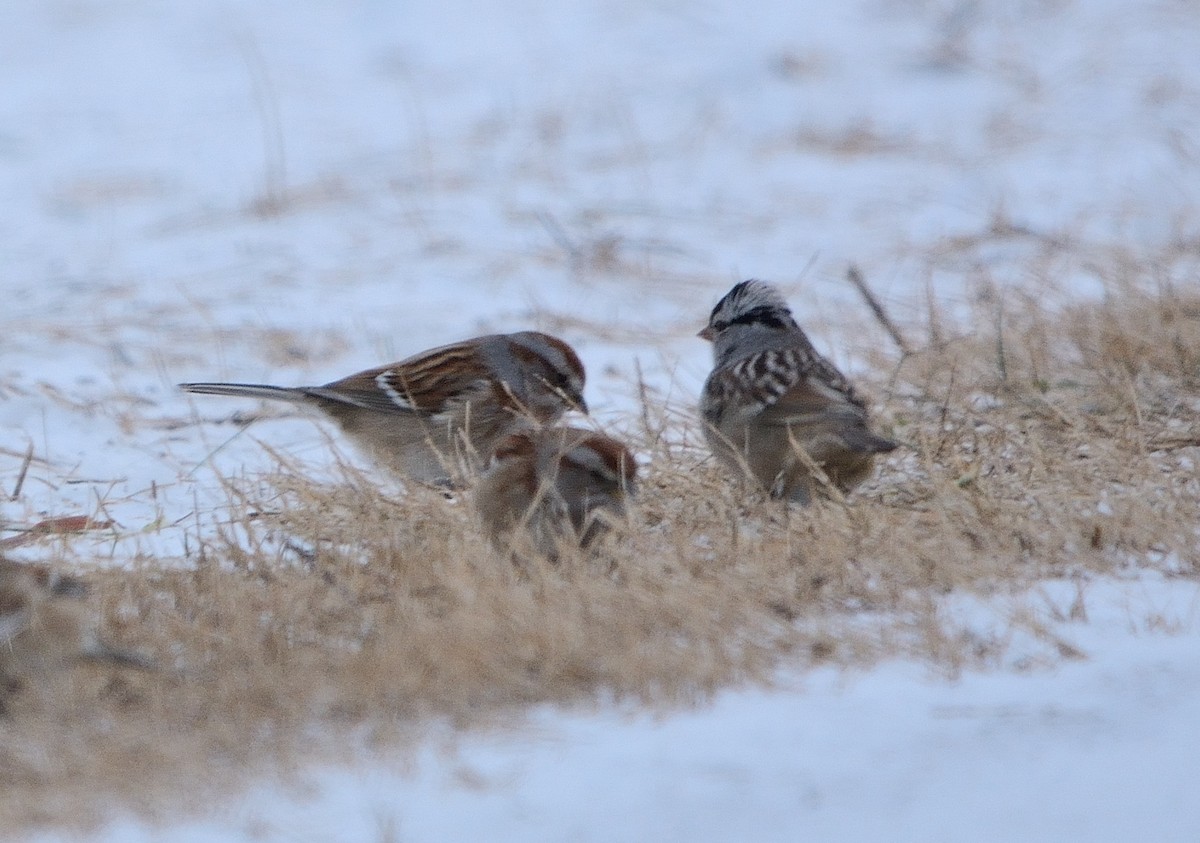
point(559, 382)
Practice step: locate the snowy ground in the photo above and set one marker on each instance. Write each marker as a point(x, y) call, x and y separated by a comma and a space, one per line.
point(1099, 750)
point(290, 191)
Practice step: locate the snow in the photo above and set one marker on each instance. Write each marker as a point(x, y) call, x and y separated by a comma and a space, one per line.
point(436, 162)
point(1097, 750)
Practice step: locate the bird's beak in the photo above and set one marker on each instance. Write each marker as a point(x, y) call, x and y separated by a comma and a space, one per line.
point(707, 334)
point(581, 405)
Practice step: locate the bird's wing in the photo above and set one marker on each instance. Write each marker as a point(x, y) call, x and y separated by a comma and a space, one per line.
point(430, 383)
point(777, 384)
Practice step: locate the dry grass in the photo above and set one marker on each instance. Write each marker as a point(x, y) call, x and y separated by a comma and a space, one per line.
point(329, 622)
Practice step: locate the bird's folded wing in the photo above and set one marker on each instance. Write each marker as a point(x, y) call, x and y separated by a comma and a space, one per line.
point(811, 401)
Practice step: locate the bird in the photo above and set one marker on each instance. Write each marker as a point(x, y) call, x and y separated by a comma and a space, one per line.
point(435, 416)
point(774, 408)
point(554, 487)
point(45, 625)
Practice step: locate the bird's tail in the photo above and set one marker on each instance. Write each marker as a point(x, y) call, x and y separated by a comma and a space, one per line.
point(246, 390)
point(863, 441)
point(98, 651)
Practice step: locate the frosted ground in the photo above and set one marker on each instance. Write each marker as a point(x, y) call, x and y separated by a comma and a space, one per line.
point(288, 192)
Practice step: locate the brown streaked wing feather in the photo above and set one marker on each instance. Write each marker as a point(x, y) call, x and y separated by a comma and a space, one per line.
point(440, 375)
point(784, 385)
point(811, 365)
point(426, 383)
point(364, 398)
point(806, 400)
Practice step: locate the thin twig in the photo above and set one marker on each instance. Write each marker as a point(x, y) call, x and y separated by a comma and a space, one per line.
point(644, 401)
point(1001, 357)
point(16, 493)
point(558, 234)
point(267, 103)
point(855, 276)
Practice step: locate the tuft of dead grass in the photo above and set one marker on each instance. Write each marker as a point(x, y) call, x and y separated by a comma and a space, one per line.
point(333, 621)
